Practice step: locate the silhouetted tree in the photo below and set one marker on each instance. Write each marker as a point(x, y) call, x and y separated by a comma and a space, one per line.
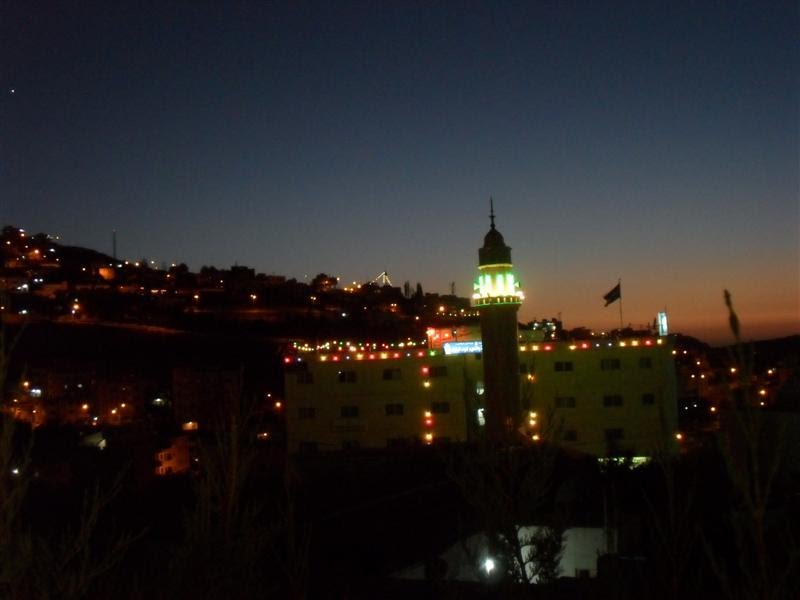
point(506, 486)
point(767, 553)
point(67, 566)
point(322, 281)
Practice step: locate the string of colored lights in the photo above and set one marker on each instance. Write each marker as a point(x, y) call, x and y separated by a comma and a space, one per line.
point(385, 355)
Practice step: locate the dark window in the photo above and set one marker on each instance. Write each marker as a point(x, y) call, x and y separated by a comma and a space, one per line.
point(394, 410)
point(610, 364)
point(349, 412)
point(646, 362)
point(613, 400)
point(648, 399)
point(614, 435)
point(440, 371)
point(440, 407)
point(570, 435)
point(347, 376)
point(306, 412)
point(397, 442)
point(305, 377)
point(563, 365)
point(391, 374)
point(307, 447)
point(523, 369)
point(350, 445)
point(565, 402)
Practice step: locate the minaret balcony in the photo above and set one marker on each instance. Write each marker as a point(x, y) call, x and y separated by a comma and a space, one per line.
point(479, 301)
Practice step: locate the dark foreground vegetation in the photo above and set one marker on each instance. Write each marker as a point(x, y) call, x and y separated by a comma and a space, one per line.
point(251, 523)
point(721, 520)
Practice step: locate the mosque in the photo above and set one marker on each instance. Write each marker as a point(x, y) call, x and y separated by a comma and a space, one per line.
point(602, 397)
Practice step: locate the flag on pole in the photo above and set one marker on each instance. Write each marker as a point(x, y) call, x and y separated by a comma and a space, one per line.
point(614, 295)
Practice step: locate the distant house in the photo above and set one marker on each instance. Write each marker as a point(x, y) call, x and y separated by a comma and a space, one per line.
point(176, 458)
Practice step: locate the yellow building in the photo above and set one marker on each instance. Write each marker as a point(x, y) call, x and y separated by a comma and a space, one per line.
point(593, 397)
point(599, 397)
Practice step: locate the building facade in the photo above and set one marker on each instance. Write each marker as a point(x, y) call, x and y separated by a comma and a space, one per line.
point(594, 397)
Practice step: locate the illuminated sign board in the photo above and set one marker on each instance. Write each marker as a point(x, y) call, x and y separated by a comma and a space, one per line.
point(662, 323)
point(472, 347)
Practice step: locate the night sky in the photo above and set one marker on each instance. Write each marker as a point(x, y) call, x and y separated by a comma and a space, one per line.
point(657, 143)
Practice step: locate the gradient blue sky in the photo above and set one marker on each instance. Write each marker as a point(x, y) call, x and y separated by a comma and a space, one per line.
point(656, 142)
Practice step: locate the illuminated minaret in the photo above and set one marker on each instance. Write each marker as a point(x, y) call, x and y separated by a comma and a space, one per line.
point(497, 297)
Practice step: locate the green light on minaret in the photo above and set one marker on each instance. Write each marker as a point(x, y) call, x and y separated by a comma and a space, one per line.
point(496, 283)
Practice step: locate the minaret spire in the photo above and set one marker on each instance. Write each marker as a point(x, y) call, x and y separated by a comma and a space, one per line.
point(491, 210)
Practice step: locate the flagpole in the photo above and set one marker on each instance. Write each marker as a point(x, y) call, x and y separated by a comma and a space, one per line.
point(619, 283)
